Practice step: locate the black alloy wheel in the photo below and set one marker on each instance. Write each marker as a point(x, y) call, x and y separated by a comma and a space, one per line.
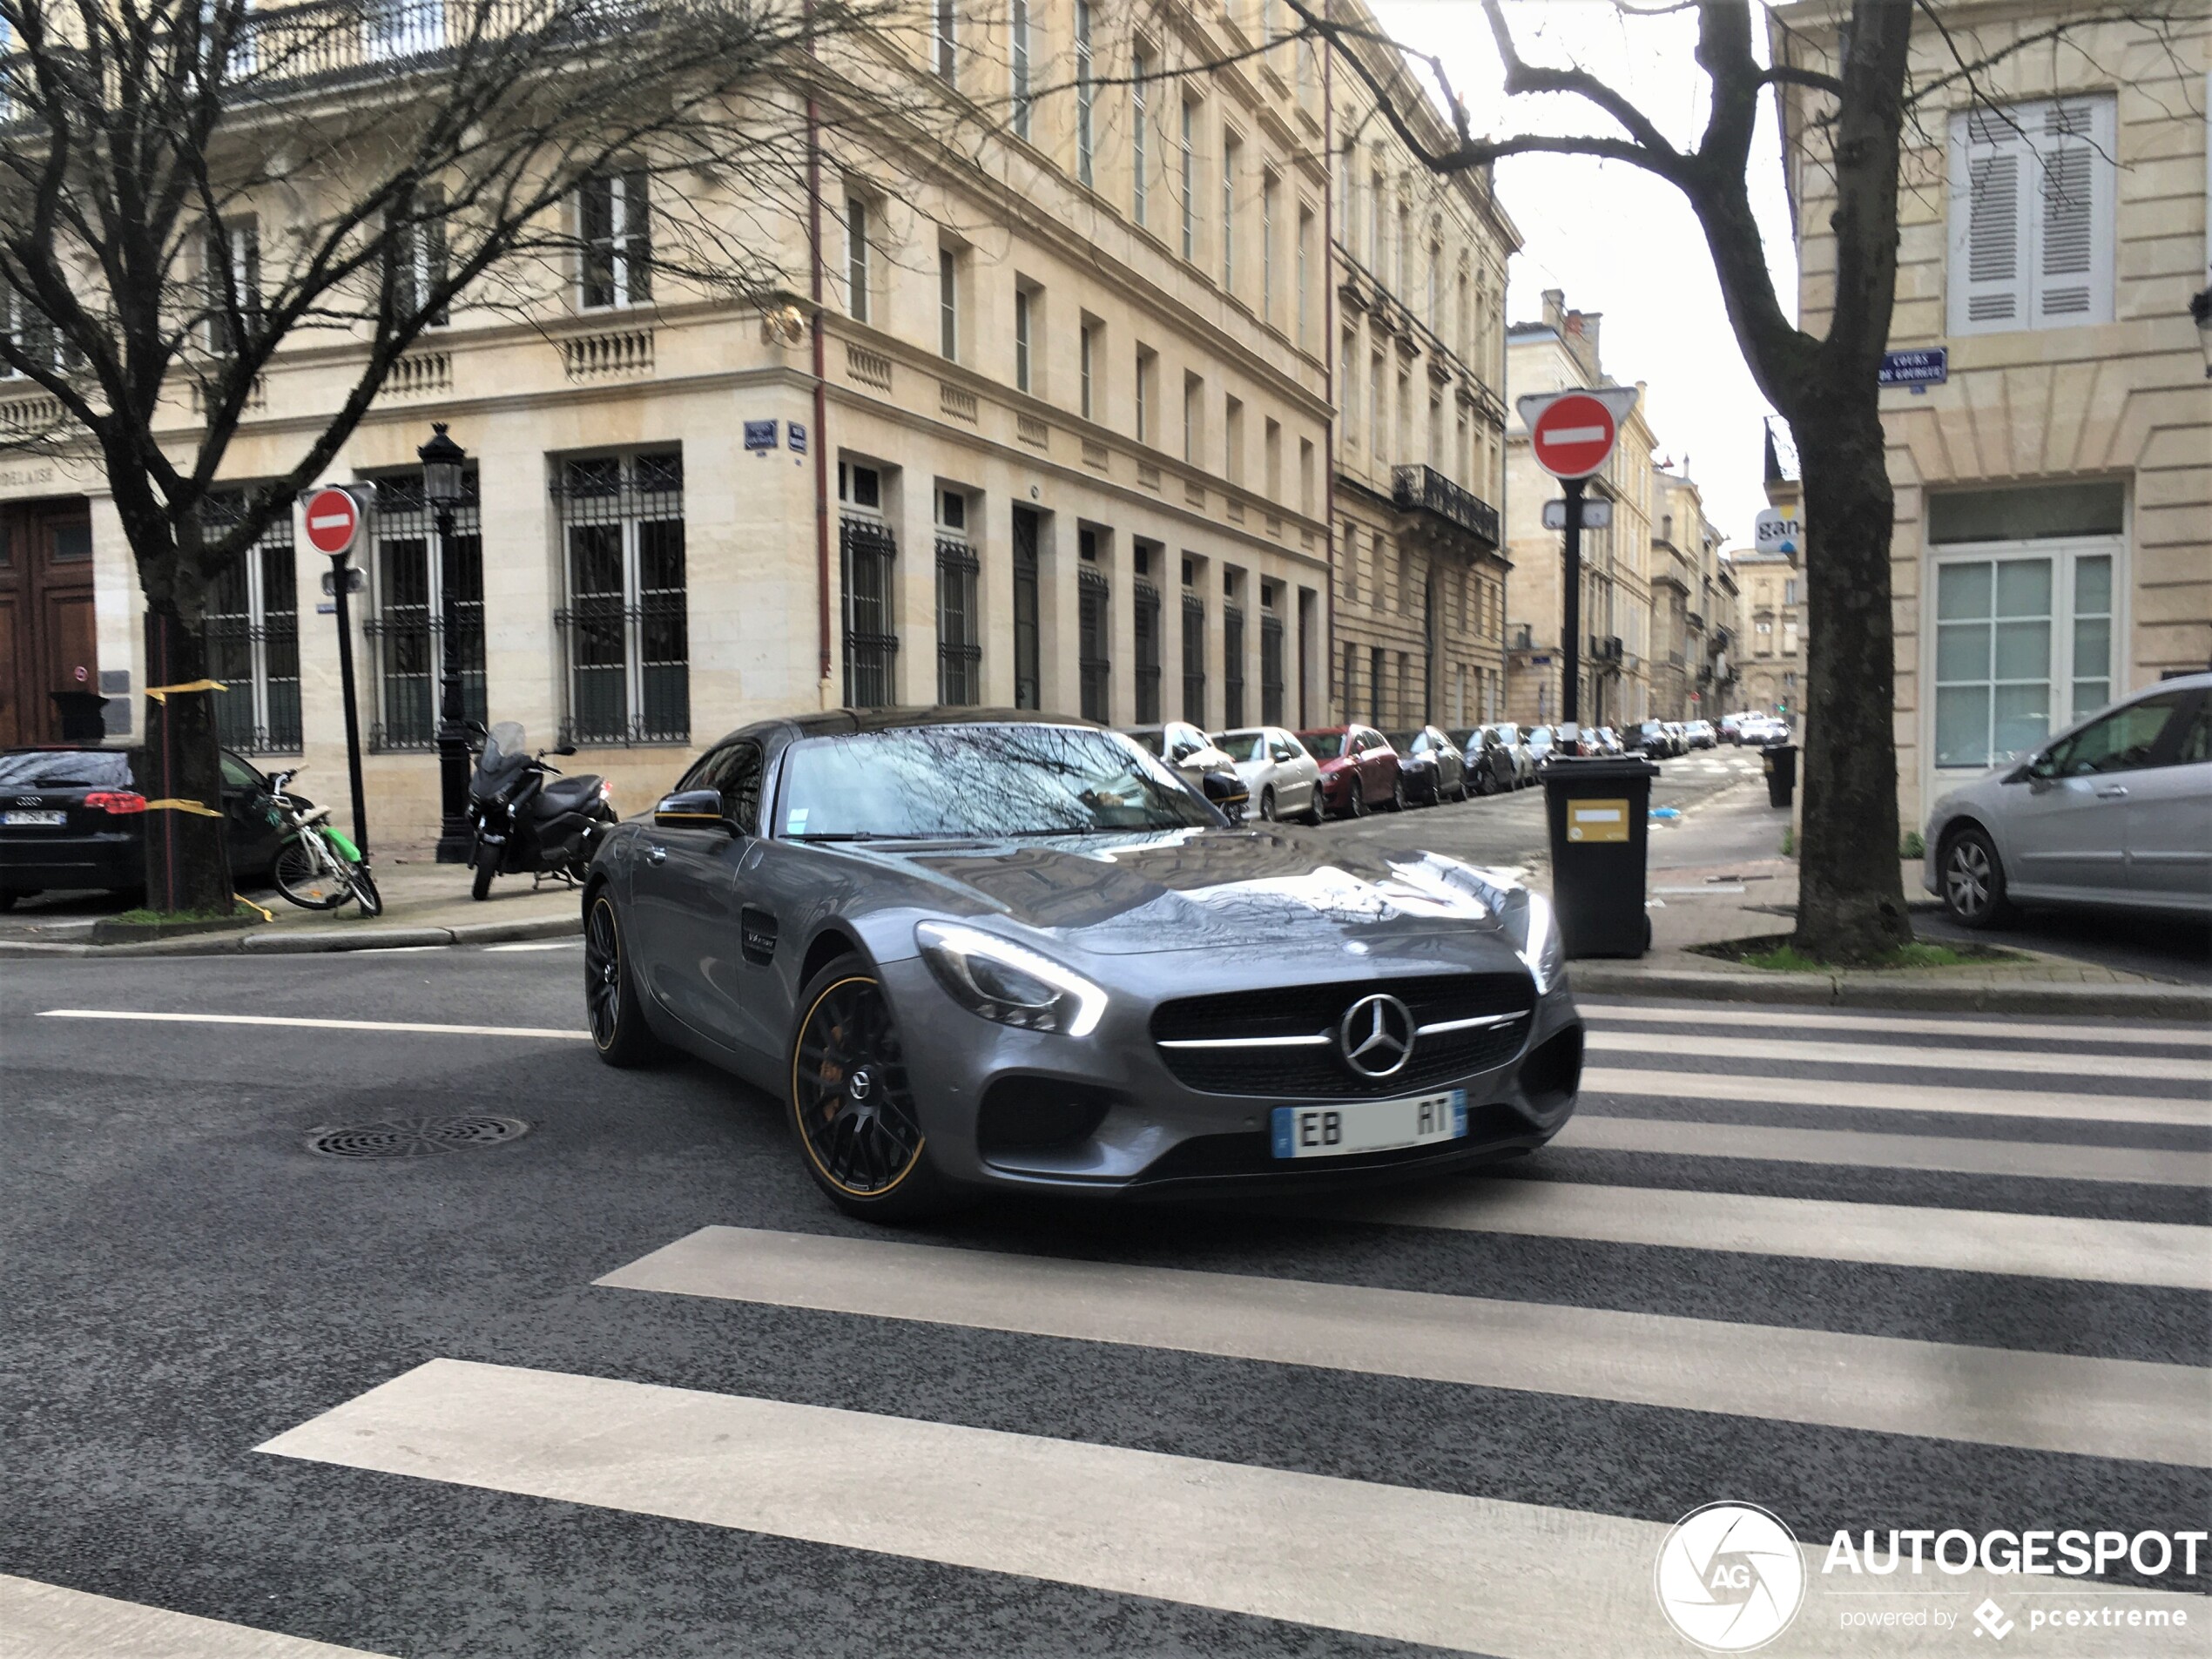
point(1973, 878)
point(618, 1030)
point(851, 1105)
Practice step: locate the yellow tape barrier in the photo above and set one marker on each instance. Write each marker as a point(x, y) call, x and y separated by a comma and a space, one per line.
point(160, 693)
point(173, 806)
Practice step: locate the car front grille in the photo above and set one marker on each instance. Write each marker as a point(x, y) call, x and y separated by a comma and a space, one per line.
point(1247, 1065)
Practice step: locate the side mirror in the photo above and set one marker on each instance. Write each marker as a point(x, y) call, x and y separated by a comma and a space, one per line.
point(565, 749)
point(692, 809)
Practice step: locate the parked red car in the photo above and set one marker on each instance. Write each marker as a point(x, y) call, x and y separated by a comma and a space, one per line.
point(1360, 770)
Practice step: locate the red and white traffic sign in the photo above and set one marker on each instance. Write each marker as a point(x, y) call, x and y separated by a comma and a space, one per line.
point(1571, 433)
point(334, 520)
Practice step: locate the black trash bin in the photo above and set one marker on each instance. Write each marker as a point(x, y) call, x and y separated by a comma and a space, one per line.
point(1600, 817)
point(1781, 773)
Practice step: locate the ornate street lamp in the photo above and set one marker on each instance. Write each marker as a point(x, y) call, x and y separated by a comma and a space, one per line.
point(442, 463)
point(2201, 313)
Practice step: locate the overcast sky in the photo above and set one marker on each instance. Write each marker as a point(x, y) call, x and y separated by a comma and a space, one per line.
point(1616, 239)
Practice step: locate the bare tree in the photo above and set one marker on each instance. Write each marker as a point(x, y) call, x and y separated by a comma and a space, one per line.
point(1860, 114)
point(189, 188)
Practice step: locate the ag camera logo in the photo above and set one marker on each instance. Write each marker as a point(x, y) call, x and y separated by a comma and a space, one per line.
point(1729, 1577)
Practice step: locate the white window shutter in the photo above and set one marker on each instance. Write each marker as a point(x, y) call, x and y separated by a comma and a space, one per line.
point(2074, 207)
point(1993, 221)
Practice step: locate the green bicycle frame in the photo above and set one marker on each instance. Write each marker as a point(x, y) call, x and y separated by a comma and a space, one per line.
point(337, 838)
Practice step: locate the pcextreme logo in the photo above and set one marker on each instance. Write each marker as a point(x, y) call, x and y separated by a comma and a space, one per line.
point(1729, 1577)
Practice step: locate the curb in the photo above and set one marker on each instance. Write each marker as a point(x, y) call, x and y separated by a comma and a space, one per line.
point(300, 941)
point(2145, 1001)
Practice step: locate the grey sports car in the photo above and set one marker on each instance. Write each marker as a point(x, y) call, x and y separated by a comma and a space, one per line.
point(977, 949)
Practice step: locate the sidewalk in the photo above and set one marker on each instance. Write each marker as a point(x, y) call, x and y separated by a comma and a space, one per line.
point(424, 904)
point(1717, 873)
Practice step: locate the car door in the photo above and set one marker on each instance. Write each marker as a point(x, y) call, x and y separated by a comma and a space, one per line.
point(2066, 823)
point(247, 822)
point(698, 879)
point(2169, 816)
point(1299, 773)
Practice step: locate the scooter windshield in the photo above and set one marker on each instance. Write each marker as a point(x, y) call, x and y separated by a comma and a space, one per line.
point(505, 751)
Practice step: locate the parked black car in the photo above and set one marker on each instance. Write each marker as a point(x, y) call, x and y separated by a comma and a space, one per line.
point(1652, 738)
point(1492, 766)
point(71, 819)
point(1434, 769)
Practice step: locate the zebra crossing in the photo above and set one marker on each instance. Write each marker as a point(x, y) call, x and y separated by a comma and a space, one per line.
point(1864, 1271)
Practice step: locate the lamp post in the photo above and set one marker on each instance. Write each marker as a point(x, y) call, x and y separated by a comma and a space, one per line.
point(2201, 313)
point(442, 461)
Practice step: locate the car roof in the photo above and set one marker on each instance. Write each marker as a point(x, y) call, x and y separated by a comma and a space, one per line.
point(837, 723)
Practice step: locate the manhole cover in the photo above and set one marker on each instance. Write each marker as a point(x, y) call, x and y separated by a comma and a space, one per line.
point(415, 1138)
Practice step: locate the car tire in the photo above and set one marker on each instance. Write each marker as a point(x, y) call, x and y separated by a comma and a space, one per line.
point(848, 1141)
point(611, 1002)
point(1360, 807)
point(8, 897)
point(1972, 877)
point(1267, 805)
point(1398, 794)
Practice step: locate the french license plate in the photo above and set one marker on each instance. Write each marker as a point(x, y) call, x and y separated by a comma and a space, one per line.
point(50, 820)
point(1369, 1126)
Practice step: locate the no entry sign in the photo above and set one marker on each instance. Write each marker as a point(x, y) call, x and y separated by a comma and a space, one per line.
point(1572, 433)
point(334, 520)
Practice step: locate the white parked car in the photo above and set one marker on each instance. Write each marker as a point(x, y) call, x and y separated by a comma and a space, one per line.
point(2116, 810)
point(1280, 778)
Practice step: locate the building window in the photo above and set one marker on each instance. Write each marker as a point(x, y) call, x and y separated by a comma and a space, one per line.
point(1304, 277)
point(1435, 289)
point(1093, 623)
point(406, 625)
point(1268, 188)
point(1233, 441)
point(1348, 395)
point(1147, 373)
point(1271, 660)
point(1024, 303)
point(1028, 668)
point(614, 223)
point(1375, 223)
point(1087, 353)
point(233, 273)
point(1271, 446)
point(2032, 216)
point(946, 47)
point(1194, 657)
point(1378, 405)
point(419, 256)
point(1305, 476)
point(626, 623)
point(1231, 151)
point(959, 631)
point(2014, 637)
point(1083, 93)
point(859, 277)
point(866, 553)
point(1139, 129)
point(1374, 685)
point(1194, 416)
point(1232, 660)
point(1146, 635)
point(948, 304)
point(1190, 164)
point(251, 633)
point(1018, 57)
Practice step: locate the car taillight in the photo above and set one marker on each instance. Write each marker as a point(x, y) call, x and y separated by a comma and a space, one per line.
point(115, 803)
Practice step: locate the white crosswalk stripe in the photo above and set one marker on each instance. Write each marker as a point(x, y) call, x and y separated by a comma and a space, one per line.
point(50, 1622)
point(1717, 1169)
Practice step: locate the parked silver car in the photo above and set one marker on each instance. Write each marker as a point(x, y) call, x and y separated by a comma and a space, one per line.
point(1280, 778)
point(2116, 810)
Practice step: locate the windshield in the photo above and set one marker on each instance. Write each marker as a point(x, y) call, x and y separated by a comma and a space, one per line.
point(1506, 733)
point(505, 750)
point(979, 782)
point(1322, 746)
point(64, 768)
point(1541, 737)
point(1241, 745)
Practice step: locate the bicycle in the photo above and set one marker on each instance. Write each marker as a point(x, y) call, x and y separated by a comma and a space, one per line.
point(317, 867)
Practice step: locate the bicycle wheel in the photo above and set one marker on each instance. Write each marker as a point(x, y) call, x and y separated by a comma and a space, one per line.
point(306, 873)
point(365, 893)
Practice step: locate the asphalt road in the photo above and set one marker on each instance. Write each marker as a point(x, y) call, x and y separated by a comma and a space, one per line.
point(1919, 1275)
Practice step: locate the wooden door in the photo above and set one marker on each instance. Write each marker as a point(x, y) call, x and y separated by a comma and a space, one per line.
point(49, 640)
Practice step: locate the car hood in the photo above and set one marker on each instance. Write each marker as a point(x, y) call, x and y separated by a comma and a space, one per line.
point(1206, 889)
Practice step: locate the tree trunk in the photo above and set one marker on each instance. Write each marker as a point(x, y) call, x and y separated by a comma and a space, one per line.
point(188, 866)
point(1851, 901)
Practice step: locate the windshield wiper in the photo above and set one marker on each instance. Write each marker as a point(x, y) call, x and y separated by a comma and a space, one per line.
point(842, 835)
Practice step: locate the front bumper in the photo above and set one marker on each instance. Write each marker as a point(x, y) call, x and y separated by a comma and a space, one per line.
point(1109, 1118)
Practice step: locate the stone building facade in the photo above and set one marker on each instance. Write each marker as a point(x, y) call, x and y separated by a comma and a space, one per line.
point(2053, 540)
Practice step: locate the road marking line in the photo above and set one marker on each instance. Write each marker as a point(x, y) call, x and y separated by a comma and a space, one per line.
point(1969, 1241)
point(2095, 1408)
point(1866, 1148)
point(2041, 1064)
point(316, 1025)
point(1897, 1096)
point(48, 1621)
point(1722, 1020)
point(1520, 1580)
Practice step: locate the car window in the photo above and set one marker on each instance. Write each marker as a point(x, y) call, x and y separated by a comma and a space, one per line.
point(237, 775)
point(1327, 745)
point(738, 783)
point(705, 770)
point(64, 768)
point(2197, 739)
point(2123, 741)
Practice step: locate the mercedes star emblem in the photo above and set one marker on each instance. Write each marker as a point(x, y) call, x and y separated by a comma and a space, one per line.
point(1377, 1036)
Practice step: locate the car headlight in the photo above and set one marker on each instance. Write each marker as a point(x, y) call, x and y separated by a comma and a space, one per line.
point(1539, 945)
point(1002, 981)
